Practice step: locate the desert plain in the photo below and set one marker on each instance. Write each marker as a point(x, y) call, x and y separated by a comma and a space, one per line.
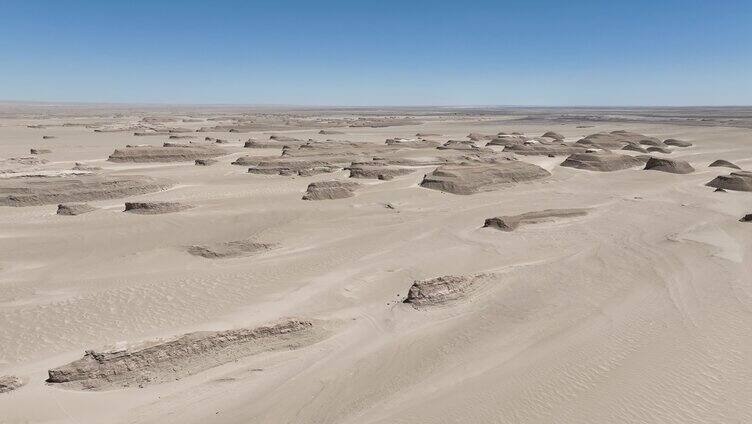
point(227, 264)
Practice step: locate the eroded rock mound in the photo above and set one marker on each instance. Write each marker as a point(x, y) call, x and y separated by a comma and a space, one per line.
point(155, 208)
point(459, 145)
point(553, 135)
point(676, 143)
point(186, 355)
point(479, 137)
point(376, 170)
point(205, 162)
point(736, 181)
point(635, 148)
point(669, 165)
point(40, 151)
point(658, 149)
point(330, 132)
point(72, 209)
point(411, 143)
point(727, 164)
point(602, 161)
point(32, 191)
point(329, 190)
point(285, 138)
point(472, 178)
point(231, 249)
point(445, 290)
point(9, 383)
point(544, 149)
point(512, 222)
point(617, 139)
point(170, 152)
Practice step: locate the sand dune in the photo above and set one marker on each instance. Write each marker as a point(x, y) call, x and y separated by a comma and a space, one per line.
point(608, 297)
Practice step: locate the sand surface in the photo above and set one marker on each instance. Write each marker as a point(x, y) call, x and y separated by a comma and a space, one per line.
point(639, 311)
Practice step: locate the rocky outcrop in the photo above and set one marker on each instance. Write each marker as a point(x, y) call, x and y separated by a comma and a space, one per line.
point(376, 170)
point(669, 165)
point(33, 191)
point(411, 143)
point(444, 290)
point(186, 355)
point(72, 209)
point(168, 153)
point(205, 162)
point(40, 151)
point(155, 208)
point(459, 145)
point(472, 178)
point(230, 249)
point(330, 132)
point(658, 149)
point(329, 190)
point(553, 135)
point(602, 161)
point(727, 164)
point(512, 222)
point(676, 143)
point(746, 218)
point(736, 181)
point(9, 383)
point(617, 139)
point(635, 148)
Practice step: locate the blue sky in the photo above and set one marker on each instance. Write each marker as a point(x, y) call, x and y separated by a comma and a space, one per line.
point(378, 53)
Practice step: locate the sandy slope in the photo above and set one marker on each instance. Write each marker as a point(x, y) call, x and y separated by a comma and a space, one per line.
point(639, 312)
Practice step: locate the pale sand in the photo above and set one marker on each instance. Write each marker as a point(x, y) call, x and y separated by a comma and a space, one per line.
point(638, 312)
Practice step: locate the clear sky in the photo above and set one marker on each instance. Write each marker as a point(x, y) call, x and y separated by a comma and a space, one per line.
point(639, 52)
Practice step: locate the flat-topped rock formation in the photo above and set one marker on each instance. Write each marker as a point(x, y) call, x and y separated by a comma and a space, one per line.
point(602, 161)
point(736, 181)
point(189, 354)
point(154, 208)
point(9, 383)
point(168, 153)
point(544, 149)
point(617, 139)
point(285, 138)
point(477, 177)
point(329, 190)
point(512, 222)
point(32, 191)
point(676, 143)
point(230, 249)
point(412, 143)
point(383, 122)
point(445, 290)
point(725, 163)
point(508, 140)
point(462, 145)
point(669, 165)
point(376, 170)
point(72, 209)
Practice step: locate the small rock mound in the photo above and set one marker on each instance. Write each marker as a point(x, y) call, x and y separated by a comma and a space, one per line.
point(186, 355)
point(205, 162)
point(444, 290)
point(512, 222)
point(231, 249)
point(479, 137)
point(676, 143)
point(658, 149)
point(40, 151)
point(736, 181)
point(329, 190)
point(79, 166)
point(602, 162)
point(669, 165)
point(48, 137)
point(459, 145)
point(746, 218)
point(284, 138)
point(476, 177)
point(72, 209)
point(154, 208)
point(9, 383)
point(727, 164)
point(330, 132)
point(553, 135)
point(635, 148)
